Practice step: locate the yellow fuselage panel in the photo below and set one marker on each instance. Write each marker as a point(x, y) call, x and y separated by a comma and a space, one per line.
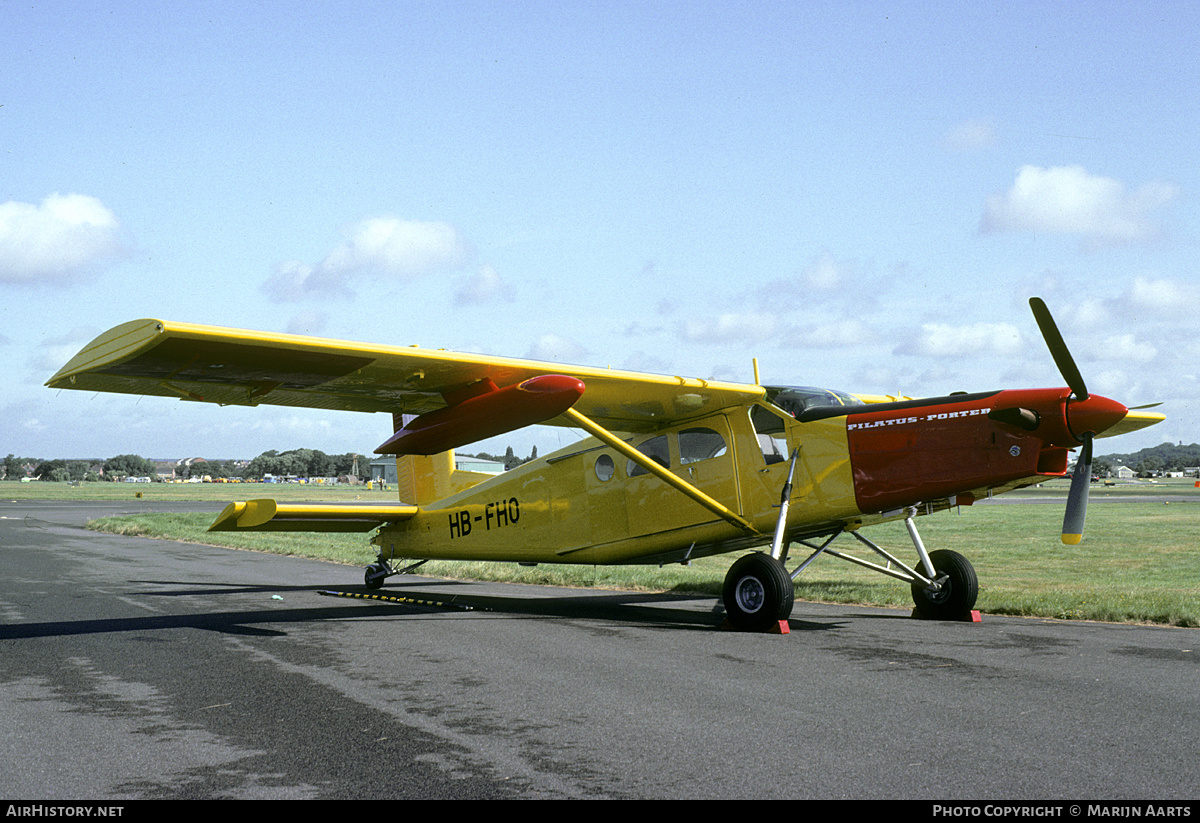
point(588, 504)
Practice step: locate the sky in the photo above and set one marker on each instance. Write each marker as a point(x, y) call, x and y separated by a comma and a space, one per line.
point(861, 195)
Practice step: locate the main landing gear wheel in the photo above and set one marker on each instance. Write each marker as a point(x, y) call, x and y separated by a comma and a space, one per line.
point(758, 592)
point(955, 599)
point(375, 575)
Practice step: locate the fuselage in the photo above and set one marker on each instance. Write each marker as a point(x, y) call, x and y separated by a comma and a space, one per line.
point(855, 465)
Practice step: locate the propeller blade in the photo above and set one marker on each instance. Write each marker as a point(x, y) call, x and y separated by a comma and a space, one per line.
point(1146, 406)
point(1077, 499)
point(1058, 348)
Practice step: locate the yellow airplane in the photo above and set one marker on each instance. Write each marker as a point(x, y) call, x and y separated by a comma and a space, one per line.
point(672, 469)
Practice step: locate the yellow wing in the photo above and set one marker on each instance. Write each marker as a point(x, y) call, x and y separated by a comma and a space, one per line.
point(237, 367)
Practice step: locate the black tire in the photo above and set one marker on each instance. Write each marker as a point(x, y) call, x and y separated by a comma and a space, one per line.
point(758, 593)
point(374, 576)
point(956, 598)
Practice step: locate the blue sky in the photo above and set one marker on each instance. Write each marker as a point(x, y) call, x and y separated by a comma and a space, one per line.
point(861, 195)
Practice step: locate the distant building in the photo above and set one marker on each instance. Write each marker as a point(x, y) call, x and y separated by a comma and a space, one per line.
point(383, 469)
point(467, 463)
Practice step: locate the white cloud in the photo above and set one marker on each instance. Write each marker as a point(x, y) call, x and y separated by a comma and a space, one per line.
point(378, 246)
point(310, 323)
point(942, 340)
point(54, 353)
point(1069, 200)
point(403, 248)
point(1165, 296)
point(823, 280)
point(730, 327)
point(484, 287)
point(291, 425)
point(557, 349)
point(824, 274)
point(972, 135)
point(638, 328)
point(1125, 347)
point(62, 236)
point(1090, 312)
point(835, 334)
point(290, 282)
point(1110, 383)
point(642, 362)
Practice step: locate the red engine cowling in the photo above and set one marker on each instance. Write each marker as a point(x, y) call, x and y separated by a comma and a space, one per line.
point(901, 456)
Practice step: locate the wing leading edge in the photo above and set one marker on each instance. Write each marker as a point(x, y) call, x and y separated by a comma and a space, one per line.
point(239, 367)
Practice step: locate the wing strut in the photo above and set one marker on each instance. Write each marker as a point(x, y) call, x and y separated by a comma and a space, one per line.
point(608, 438)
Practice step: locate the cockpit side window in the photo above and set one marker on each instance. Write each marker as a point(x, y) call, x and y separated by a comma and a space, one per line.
point(771, 433)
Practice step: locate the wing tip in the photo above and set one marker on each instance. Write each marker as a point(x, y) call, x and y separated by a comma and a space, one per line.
point(106, 348)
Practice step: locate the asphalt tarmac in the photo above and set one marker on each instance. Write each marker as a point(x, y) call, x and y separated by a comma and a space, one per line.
point(134, 668)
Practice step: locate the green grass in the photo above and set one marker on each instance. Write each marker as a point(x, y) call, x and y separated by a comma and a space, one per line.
point(217, 493)
point(1139, 560)
point(1118, 489)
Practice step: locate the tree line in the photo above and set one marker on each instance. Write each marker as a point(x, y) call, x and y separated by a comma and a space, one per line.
point(510, 459)
point(1166, 457)
point(293, 463)
point(296, 462)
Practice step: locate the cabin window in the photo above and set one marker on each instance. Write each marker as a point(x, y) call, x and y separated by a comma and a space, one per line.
point(699, 444)
point(605, 467)
point(657, 450)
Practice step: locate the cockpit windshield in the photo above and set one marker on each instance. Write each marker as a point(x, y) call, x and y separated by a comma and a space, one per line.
point(797, 399)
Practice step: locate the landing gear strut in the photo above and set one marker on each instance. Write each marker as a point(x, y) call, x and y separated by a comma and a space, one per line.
point(758, 590)
point(381, 570)
point(944, 585)
point(375, 575)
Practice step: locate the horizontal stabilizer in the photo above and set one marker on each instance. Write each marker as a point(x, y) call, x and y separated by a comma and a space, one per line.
point(266, 515)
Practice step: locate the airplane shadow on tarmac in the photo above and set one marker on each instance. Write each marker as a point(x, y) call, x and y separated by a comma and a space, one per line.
point(645, 610)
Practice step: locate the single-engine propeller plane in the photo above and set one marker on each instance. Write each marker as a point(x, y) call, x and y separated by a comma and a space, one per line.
point(672, 468)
